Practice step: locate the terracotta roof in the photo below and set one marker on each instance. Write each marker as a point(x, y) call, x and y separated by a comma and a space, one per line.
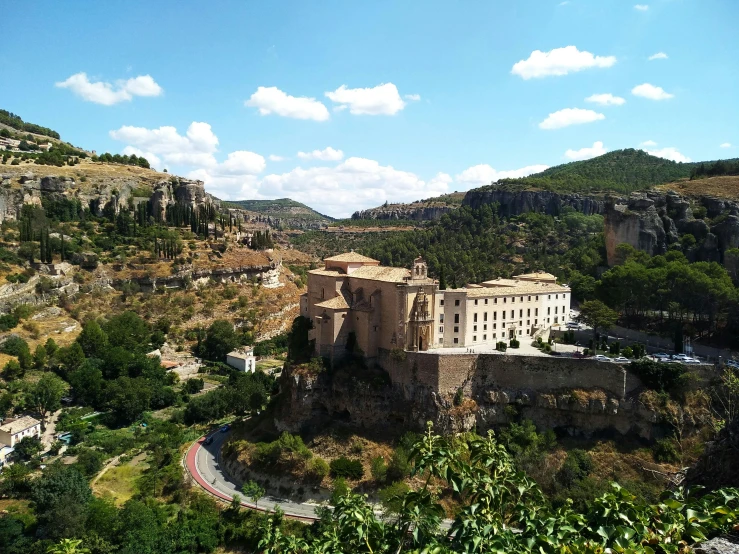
point(336, 303)
point(18, 425)
point(327, 272)
point(382, 273)
point(537, 275)
point(350, 257)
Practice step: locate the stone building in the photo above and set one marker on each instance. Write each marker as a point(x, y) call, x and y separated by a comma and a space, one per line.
point(356, 304)
point(242, 360)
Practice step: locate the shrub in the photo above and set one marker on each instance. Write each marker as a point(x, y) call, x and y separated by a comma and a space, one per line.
point(628, 352)
point(318, 468)
point(8, 322)
point(577, 466)
point(194, 385)
point(514, 343)
point(344, 467)
point(660, 376)
point(391, 496)
point(378, 468)
point(341, 489)
point(501, 346)
point(665, 452)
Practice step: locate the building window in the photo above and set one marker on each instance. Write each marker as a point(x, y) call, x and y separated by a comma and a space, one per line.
point(475, 301)
point(474, 318)
point(504, 300)
point(520, 332)
point(549, 297)
point(537, 298)
point(520, 313)
point(456, 318)
point(528, 323)
point(522, 299)
point(502, 325)
point(485, 316)
point(495, 300)
point(486, 301)
point(528, 312)
point(513, 314)
point(441, 341)
point(549, 311)
point(495, 325)
point(536, 311)
point(456, 340)
point(549, 320)
point(520, 323)
point(555, 320)
point(456, 329)
point(485, 327)
point(495, 316)
point(441, 302)
point(536, 322)
point(484, 337)
point(513, 300)
point(456, 302)
point(556, 296)
point(503, 314)
point(529, 299)
point(495, 335)
point(474, 338)
point(556, 309)
point(441, 318)
point(441, 328)
point(474, 328)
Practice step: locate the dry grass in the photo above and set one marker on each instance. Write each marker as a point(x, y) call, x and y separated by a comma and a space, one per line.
point(720, 187)
point(119, 482)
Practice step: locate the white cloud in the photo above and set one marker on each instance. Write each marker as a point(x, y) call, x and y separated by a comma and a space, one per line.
point(570, 116)
point(271, 100)
point(328, 154)
point(641, 7)
point(651, 91)
point(107, 94)
point(669, 153)
point(380, 100)
point(559, 61)
point(658, 56)
point(648, 143)
point(195, 148)
point(586, 153)
point(483, 174)
point(606, 99)
point(241, 162)
point(725, 145)
point(276, 158)
point(153, 159)
point(412, 97)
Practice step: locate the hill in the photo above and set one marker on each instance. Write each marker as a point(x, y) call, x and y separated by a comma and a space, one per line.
point(282, 208)
point(421, 210)
point(621, 171)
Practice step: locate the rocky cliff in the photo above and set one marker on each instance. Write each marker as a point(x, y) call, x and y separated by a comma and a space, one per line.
point(516, 202)
point(95, 187)
point(496, 389)
point(652, 221)
point(412, 212)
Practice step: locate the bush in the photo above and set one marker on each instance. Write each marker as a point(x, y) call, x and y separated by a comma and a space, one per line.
point(344, 467)
point(501, 346)
point(628, 352)
point(318, 468)
point(577, 466)
point(391, 496)
point(665, 452)
point(660, 376)
point(194, 385)
point(514, 343)
point(340, 490)
point(8, 322)
point(378, 468)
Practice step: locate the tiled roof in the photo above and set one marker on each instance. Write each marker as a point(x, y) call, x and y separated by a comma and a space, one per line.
point(241, 355)
point(521, 287)
point(538, 275)
point(336, 303)
point(382, 273)
point(327, 272)
point(18, 425)
point(350, 257)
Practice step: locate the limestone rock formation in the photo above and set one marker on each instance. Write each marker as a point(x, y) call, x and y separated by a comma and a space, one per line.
point(413, 212)
point(516, 202)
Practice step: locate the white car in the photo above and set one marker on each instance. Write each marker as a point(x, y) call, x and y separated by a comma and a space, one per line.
point(573, 325)
point(622, 360)
point(602, 358)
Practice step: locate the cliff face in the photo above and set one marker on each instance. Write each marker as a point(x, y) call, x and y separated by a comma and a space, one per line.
point(113, 190)
point(523, 201)
point(652, 221)
point(405, 212)
point(496, 389)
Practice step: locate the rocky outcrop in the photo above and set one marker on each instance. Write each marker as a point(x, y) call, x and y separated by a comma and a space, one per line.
point(179, 191)
point(516, 202)
point(652, 221)
point(718, 467)
point(410, 212)
point(494, 393)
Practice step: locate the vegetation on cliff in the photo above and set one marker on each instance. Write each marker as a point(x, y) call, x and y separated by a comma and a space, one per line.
point(621, 171)
point(16, 122)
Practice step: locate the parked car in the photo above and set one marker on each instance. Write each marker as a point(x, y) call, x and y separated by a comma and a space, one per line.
point(680, 357)
point(622, 360)
point(573, 325)
point(661, 356)
point(602, 358)
point(225, 428)
point(209, 440)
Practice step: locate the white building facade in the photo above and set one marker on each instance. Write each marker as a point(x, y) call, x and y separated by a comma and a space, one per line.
point(500, 310)
point(242, 360)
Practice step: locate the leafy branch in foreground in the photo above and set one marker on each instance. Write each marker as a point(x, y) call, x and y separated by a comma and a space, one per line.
point(504, 511)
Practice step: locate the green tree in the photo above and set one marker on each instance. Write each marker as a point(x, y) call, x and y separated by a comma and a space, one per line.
point(68, 546)
point(93, 340)
point(87, 383)
point(46, 395)
point(597, 315)
point(28, 447)
point(39, 357)
point(128, 398)
point(220, 339)
point(253, 490)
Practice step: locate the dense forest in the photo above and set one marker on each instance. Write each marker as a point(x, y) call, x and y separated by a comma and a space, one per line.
point(621, 171)
point(715, 169)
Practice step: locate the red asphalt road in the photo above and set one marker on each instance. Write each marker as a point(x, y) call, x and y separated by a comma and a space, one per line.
point(191, 466)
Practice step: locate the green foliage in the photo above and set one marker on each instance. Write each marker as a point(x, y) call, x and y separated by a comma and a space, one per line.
point(378, 468)
point(193, 385)
point(597, 315)
point(318, 468)
point(666, 452)
point(8, 322)
point(27, 448)
point(349, 469)
point(621, 171)
point(15, 121)
point(660, 376)
point(220, 339)
point(715, 169)
point(251, 489)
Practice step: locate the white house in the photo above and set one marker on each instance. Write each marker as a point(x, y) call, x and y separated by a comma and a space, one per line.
point(5, 452)
point(242, 360)
point(14, 430)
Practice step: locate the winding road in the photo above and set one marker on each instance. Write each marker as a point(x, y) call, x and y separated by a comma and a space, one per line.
point(203, 462)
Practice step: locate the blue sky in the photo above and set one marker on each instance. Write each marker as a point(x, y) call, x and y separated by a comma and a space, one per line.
point(455, 93)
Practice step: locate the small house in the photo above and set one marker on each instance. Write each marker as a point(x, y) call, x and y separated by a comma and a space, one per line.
point(242, 360)
point(14, 430)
